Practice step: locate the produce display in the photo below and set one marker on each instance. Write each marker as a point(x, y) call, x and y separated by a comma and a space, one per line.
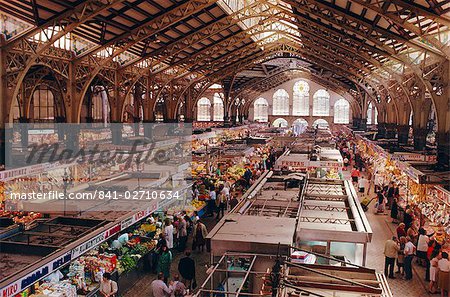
point(332, 174)
point(20, 217)
point(130, 256)
point(59, 289)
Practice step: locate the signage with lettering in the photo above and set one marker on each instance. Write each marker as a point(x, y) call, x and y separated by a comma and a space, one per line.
point(32, 277)
point(414, 157)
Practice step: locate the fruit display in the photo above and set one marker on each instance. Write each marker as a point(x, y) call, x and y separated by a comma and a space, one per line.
point(332, 174)
point(235, 172)
point(20, 217)
point(198, 204)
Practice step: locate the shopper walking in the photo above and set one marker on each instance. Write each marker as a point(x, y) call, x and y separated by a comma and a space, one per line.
point(186, 268)
point(221, 203)
point(434, 271)
point(233, 202)
point(212, 201)
point(355, 174)
point(401, 232)
point(164, 263)
point(391, 249)
point(363, 185)
point(409, 254)
point(401, 256)
point(444, 272)
point(380, 202)
point(422, 248)
point(200, 233)
point(394, 210)
point(159, 287)
point(182, 234)
point(168, 233)
point(408, 218)
point(177, 287)
point(108, 287)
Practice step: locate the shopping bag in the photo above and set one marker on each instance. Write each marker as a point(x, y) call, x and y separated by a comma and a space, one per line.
point(376, 204)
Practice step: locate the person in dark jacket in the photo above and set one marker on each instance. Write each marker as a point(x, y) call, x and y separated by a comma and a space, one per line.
point(186, 268)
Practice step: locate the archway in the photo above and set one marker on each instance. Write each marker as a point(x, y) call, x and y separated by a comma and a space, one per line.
point(280, 123)
point(261, 110)
point(320, 123)
point(341, 112)
point(299, 126)
point(96, 107)
point(280, 102)
point(321, 103)
point(203, 110)
point(218, 107)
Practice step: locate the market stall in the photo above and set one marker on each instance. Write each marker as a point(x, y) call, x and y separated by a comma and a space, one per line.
point(332, 222)
point(419, 192)
point(253, 274)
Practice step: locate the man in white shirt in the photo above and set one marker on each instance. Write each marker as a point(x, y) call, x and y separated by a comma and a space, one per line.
point(362, 184)
point(409, 254)
point(159, 288)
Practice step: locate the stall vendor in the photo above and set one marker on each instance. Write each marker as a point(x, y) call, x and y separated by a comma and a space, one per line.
point(124, 239)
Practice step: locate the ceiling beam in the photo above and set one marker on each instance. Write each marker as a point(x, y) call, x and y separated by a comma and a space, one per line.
point(125, 41)
point(395, 17)
point(195, 37)
point(364, 23)
point(68, 20)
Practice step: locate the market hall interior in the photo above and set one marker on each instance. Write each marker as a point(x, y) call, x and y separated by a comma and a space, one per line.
point(135, 132)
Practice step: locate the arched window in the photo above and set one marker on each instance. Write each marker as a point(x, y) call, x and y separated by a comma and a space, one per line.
point(369, 114)
point(281, 102)
point(100, 105)
point(375, 115)
point(43, 104)
point(321, 123)
point(280, 122)
point(300, 104)
point(321, 103)
point(204, 109)
point(341, 112)
point(299, 126)
point(218, 108)
point(261, 110)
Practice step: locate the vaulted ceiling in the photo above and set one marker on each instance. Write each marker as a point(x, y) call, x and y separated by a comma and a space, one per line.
point(350, 45)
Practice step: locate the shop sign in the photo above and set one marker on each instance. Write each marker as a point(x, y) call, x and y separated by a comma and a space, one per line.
point(293, 164)
point(414, 157)
point(31, 278)
point(41, 132)
point(328, 164)
point(93, 242)
point(10, 174)
point(126, 223)
point(35, 276)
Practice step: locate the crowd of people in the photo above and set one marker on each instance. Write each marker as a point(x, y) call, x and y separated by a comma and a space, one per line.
point(411, 241)
point(173, 239)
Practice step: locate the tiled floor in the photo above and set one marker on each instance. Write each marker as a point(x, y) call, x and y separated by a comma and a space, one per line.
point(382, 230)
